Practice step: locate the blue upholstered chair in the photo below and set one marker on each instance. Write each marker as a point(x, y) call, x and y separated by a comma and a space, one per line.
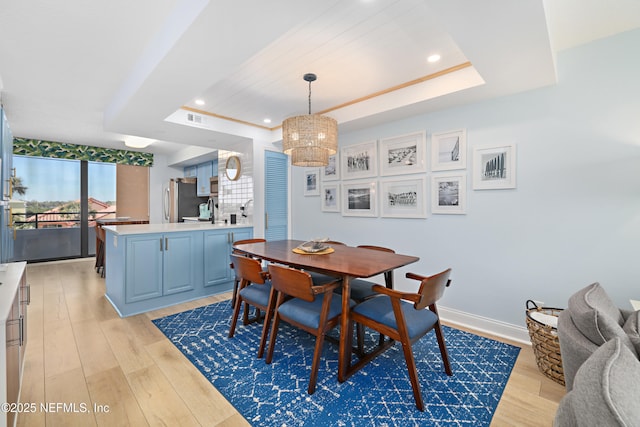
point(255, 290)
point(236, 280)
point(406, 322)
point(308, 307)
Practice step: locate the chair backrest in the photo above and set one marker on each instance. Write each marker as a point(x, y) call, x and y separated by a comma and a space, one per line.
point(296, 283)
point(377, 248)
point(432, 289)
point(248, 268)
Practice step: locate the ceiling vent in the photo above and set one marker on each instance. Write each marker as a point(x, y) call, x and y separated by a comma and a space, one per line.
point(194, 118)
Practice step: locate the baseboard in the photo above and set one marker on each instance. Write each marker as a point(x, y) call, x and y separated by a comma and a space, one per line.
point(485, 324)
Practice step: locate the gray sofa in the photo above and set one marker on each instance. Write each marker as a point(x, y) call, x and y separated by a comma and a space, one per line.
point(590, 320)
point(605, 390)
point(599, 345)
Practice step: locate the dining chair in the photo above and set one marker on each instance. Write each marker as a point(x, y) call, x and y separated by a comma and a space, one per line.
point(363, 289)
point(406, 322)
point(255, 290)
point(236, 279)
point(319, 278)
point(306, 306)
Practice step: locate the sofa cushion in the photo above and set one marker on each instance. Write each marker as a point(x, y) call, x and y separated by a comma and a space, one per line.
point(632, 329)
point(603, 389)
point(595, 315)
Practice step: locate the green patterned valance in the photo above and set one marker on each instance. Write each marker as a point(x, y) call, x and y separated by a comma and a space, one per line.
point(60, 150)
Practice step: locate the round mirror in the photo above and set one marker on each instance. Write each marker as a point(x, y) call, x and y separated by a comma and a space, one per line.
point(232, 168)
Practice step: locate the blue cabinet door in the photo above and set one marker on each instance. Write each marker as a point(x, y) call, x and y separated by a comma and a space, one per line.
point(190, 171)
point(178, 262)
point(205, 171)
point(276, 195)
point(143, 275)
point(217, 248)
point(216, 257)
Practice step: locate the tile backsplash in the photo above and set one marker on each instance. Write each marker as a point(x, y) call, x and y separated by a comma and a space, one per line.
point(234, 195)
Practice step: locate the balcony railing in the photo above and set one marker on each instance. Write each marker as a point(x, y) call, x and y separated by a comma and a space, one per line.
point(71, 219)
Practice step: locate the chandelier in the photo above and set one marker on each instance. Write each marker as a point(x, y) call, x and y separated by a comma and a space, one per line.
point(310, 139)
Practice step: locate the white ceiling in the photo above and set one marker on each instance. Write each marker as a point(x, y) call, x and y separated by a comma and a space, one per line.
point(94, 72)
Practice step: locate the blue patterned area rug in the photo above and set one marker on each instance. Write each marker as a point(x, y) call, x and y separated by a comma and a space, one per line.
point(378, 395)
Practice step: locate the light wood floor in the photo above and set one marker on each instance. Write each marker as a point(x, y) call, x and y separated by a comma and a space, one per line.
point(124, 372)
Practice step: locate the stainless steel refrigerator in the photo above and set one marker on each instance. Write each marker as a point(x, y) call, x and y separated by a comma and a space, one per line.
point(180, 200)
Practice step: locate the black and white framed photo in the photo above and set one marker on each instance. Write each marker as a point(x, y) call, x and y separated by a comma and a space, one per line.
point(403, 198)
point(312, 182)
point(331, 197)
point(403, 154)
point(359, 198)
point(449, 193)
point(331, 172)
point(494, 167)
point(359, 161)
point(449, 150)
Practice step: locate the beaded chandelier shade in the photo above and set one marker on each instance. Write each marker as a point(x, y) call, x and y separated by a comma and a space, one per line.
point(310, 139)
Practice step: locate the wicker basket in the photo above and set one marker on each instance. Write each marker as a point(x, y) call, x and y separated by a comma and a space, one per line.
point(544, 340)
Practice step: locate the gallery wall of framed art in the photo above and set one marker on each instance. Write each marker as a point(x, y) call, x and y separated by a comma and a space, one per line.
point(410, 175)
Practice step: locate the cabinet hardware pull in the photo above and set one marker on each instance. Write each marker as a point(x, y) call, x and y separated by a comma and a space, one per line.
point(21, 330)
point(166, 243)
point(161, 245)
point(266, 220)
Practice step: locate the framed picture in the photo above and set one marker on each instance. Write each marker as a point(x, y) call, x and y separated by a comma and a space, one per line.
point(449, 150)
point(312, 182)
point(331, 172)
point(359, 198)
point(403, 154)
point(331, 197)
point(449, 193)
point(404, 198)
point(494, 167)
point(359, 161)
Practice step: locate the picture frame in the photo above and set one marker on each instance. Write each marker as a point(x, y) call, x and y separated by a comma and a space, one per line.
point(331, 172)
point(359, 198)
point(403, 198)
point(403, 154)
point(331, 197)
point(312, 182)
point(359, 161)
point(449, 150)
point(494, 167)
point(449, 193)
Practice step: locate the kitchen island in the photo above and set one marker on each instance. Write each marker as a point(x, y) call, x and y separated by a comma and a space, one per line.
point(150, 266)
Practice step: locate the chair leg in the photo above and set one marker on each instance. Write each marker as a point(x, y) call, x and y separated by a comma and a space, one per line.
point(265, 327)
point(313, 379)
point(234, 319)
point(234, 295)
point(413, 373)
point(274, 334)
point(443, 349)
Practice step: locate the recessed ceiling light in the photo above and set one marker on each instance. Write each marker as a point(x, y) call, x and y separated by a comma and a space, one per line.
point(433, 58)
point(199, 102)
point(267, 120)
point(137, 142)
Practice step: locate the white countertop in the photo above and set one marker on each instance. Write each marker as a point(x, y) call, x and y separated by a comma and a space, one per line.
point(10, 280)
point(122, 230)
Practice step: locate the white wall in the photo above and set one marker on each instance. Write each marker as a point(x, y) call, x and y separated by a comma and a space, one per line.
point(574, 217)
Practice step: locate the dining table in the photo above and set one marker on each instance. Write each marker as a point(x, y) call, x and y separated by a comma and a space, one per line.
point(341, 261)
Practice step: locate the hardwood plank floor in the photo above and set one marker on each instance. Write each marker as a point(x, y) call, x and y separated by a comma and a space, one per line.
point(79, 351)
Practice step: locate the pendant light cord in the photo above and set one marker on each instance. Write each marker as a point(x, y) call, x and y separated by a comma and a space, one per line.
point(309, 97)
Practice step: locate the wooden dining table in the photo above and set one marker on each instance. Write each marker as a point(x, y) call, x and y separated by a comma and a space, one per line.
point(345, 262)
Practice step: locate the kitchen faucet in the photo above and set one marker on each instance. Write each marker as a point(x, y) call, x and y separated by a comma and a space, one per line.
point(243, 208)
